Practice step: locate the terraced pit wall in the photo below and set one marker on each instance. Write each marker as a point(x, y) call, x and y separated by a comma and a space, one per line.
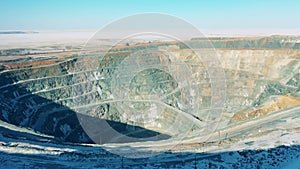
point(39, 94)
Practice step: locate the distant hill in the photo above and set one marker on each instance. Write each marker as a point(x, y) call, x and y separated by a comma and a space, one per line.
point(16, 32)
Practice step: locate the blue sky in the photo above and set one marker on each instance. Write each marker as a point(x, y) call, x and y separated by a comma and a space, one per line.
point(93, 14)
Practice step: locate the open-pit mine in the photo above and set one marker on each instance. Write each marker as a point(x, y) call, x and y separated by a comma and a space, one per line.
point(69, 106)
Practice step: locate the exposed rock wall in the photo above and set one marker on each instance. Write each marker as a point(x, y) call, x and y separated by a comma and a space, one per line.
point(41, 95)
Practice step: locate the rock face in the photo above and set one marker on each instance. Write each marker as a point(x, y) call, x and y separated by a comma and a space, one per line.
point(280, 103)
point(44, 94)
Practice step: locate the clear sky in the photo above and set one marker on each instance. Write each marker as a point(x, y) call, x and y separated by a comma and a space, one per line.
point(93, 14)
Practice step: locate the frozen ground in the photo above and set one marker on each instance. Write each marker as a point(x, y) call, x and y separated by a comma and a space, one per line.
point(23, 148)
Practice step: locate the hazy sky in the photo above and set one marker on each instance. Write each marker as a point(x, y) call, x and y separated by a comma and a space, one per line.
point(94, 14)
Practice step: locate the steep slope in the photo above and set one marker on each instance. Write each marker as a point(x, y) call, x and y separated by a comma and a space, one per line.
point(43, 92)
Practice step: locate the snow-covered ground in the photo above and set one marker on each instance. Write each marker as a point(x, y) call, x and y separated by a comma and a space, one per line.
point(23, 148)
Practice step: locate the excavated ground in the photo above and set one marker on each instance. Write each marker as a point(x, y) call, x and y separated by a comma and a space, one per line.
point(43, 92)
